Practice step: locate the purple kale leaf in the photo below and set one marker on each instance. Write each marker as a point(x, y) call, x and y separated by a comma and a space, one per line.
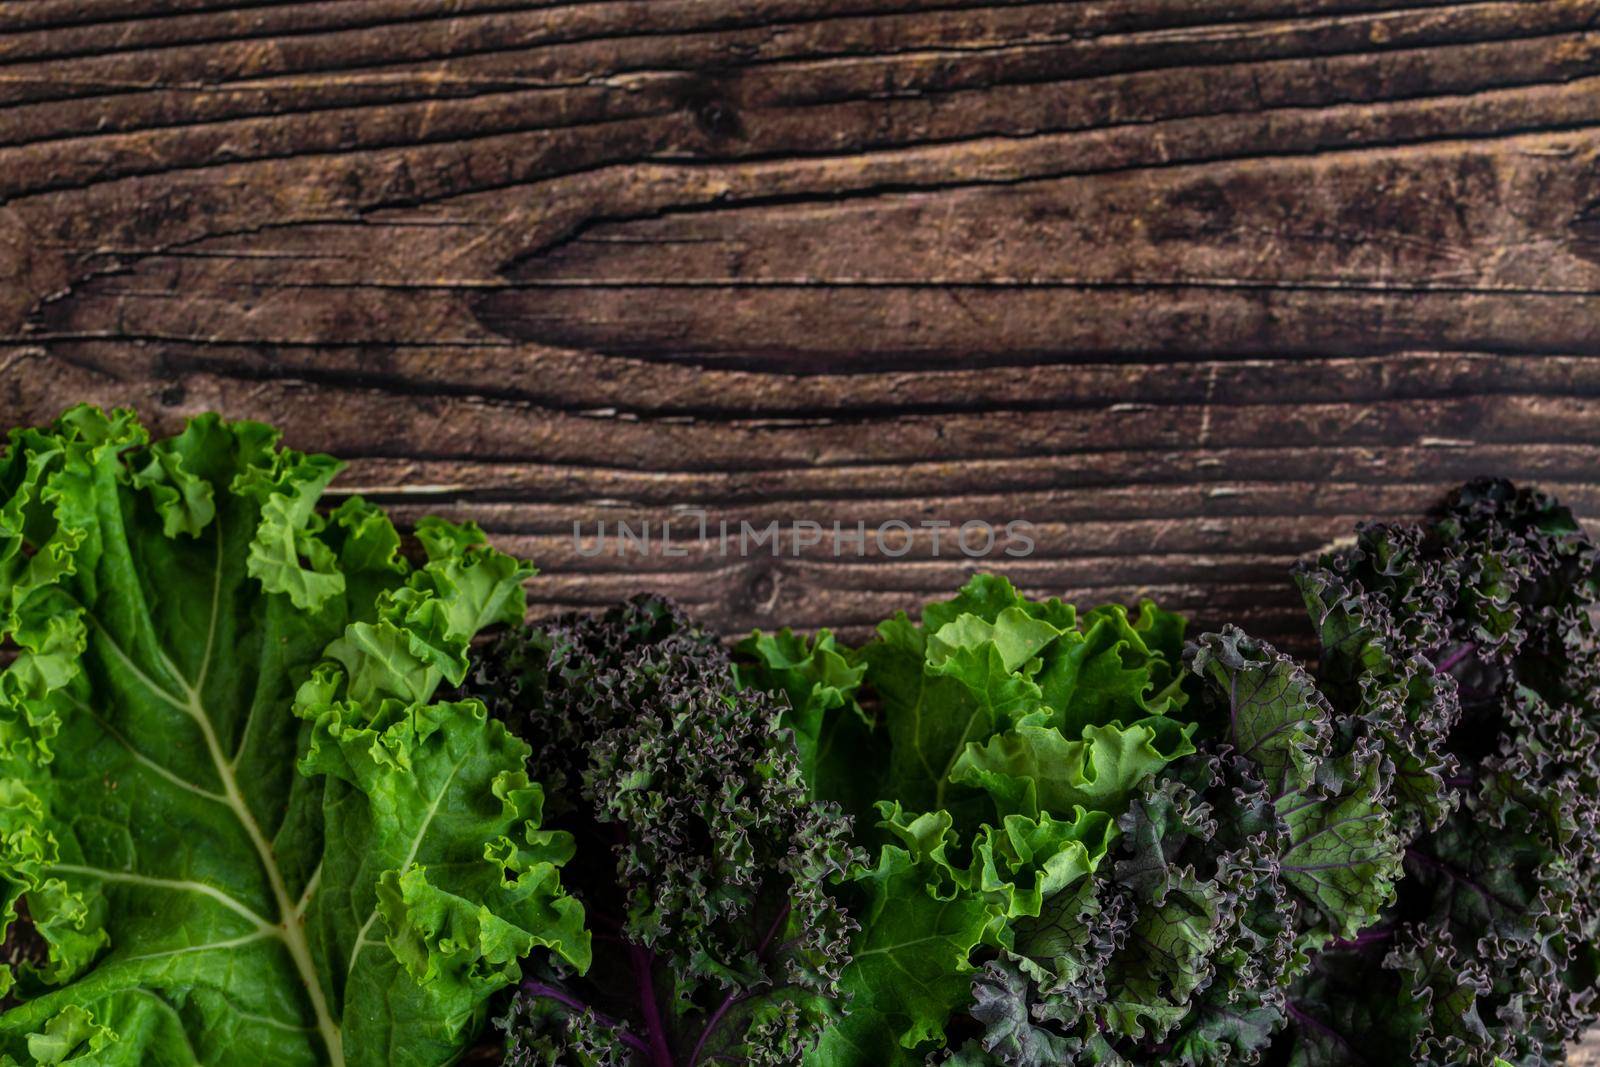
point(1487, 953)
point(702, 863)
point(1234, 864)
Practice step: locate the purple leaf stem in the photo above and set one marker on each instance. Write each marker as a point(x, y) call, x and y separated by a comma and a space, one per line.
point(560, 996)
point(732, 998)
point(643, 961)
point(1455, 657)
point(1366, 937)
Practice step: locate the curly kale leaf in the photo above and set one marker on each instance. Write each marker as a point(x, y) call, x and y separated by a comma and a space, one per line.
point(1325, 777)
point(832, 732)
point(1000, 738)
point(1487, 955)
point(233, 823)
point(1411, 843)
point(992, 698)
point(1233, 863)
point(719, 941)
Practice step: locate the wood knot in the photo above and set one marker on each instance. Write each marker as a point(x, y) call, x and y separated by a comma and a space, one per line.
point(761, 591)
point(715, 115)
point(719, 119)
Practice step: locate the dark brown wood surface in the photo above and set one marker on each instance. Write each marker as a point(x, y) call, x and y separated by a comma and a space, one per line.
point(1191, 286)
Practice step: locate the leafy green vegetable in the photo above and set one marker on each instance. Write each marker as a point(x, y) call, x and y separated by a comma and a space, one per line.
point(703, 862)
point(997, 739)
point(818, 677)
point(1488, 955)
point(1259, 908)
point(257, 805)
point(234, 826)
point(1235, 863)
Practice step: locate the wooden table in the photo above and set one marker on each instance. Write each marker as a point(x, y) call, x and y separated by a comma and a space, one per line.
point(1189, 286)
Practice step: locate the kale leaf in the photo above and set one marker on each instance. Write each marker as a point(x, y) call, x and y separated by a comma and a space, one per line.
point(998, 739)
point(1233, 865)
point(702, 861)
point(235, 826)
point(1488, 955)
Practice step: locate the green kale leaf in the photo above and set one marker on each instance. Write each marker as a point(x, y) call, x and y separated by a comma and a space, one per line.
point(234, 825)
point(997, 739)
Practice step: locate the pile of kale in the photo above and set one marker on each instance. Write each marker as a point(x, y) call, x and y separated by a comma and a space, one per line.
point(1080, 838)
point(1391, 859)
point(272, 791)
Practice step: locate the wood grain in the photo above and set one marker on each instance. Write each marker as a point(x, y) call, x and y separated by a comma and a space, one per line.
point(1192, 290)
point(1190, 287)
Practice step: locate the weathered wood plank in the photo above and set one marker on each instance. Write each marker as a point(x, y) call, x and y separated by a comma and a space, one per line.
point(1200, 482)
